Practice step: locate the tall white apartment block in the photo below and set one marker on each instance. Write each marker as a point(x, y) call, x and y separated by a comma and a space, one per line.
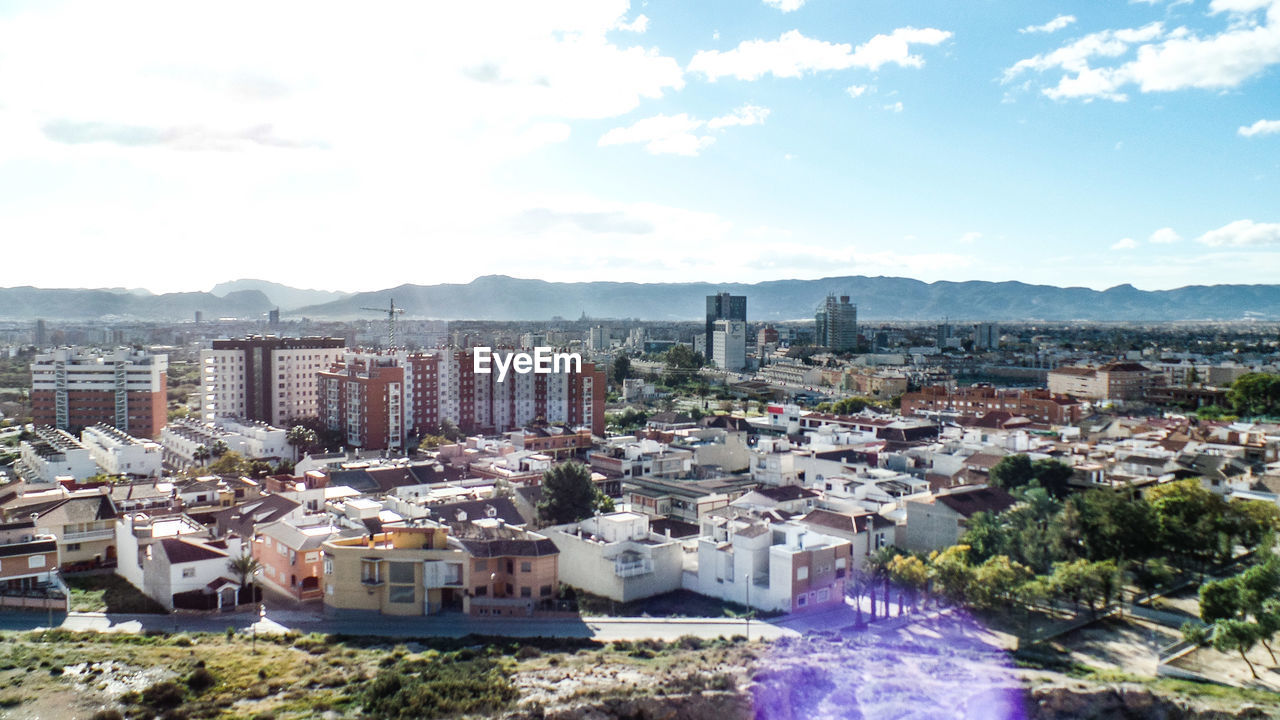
point(729, 344)
point(267, 379)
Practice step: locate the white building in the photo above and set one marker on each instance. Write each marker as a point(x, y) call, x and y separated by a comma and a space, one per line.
point(729, 344)
point(54, 454)
point(119, 453)
point(616, 556)
point(779, 566)
point(172, 561)
point(181, 439)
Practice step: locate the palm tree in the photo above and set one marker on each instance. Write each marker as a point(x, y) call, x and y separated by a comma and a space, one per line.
point(201, 454)
point(244, 567)
point(218, 448)
point(877, 566)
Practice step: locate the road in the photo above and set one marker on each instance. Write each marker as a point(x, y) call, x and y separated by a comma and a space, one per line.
point(453, 625)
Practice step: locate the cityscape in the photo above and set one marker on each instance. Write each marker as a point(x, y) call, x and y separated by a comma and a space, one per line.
point(1086, 500)
point(640, 360)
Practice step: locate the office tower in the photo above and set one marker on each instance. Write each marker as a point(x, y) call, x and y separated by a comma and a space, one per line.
point(836, 324)
point(273, 317)
point(723, 306)
point(729, 344)
point(72, 389)
point(265, 378)
point(41, 336)
point(986, 336)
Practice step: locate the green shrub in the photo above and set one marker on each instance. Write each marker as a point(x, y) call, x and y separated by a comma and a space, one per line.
point(420, 689)
point(166, 694)
point(201, 680)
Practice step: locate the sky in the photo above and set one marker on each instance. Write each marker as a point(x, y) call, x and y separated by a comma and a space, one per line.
point(172, 146)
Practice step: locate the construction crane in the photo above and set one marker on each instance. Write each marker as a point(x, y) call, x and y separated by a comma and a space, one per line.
point(391, 321)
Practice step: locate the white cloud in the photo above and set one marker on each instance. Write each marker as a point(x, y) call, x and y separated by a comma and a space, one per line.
point(1242, 233)
point(680, 134)
point(856, 90)
point(1125, 244)
point(745, 115)
point(970, 237)
point(1262, 127)
point(1164, 236)
point(639, 25)
point(785, 6)
point(1162, 60)
point(1053, 25)
point(894, 107)
point(793, 55)
point(405, 135)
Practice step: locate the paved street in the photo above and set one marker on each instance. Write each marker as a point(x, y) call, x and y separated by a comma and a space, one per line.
point(276, 621)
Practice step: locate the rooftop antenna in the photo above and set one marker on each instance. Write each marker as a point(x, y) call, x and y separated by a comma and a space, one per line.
point(391, 321)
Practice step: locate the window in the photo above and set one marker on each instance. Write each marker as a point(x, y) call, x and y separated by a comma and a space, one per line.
point(824, 595)
point(482, 565)
point(801, 601)
point(481, 591)
point(401, 594)
point(312, 557)
point(510, 590)
point(35, 561)
point(526, 591)
point(802, 573)
point(402, 573)
point(188, 572)
point(72, 547)
point(526, 567)
point(511, 566)
point(544, 591)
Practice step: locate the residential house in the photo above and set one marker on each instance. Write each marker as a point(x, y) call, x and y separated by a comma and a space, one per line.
point(618, 556)
point(29, 568)
point(938, 521)
point(173, 561)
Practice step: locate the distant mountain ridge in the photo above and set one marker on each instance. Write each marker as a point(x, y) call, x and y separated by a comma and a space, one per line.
point(284, 297)
point(498, 297)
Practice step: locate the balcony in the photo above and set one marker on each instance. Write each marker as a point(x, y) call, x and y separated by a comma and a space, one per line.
point(632, 569)
point(89, 535)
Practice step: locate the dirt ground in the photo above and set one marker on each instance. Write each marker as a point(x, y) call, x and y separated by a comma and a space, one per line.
point(1130, 646)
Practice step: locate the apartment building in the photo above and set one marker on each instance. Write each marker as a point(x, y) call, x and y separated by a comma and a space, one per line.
point(74, 388)
point(54, 454)
point(265, 378)
point(182, 440)
point(81, 523)
point(119, 453)
point(380, 400)
point(1112, 381)
point(938, 521)
point(1041, 406)
point(401, 571)
point(729, 344)
point(836, 324)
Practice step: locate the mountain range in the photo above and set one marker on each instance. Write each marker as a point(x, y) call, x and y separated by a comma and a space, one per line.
point(497, 297)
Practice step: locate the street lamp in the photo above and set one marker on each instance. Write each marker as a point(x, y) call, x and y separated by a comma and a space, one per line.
point(262, 608)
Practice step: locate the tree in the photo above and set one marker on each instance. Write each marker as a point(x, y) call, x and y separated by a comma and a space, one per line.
point(1255, 394)
point(1190, 518)
point(1053, 475)
point(952, 571)
point(1013, 471)
point(302, 439)
point(218, 448)
point(231, 463)
point(569, 495)
point(909, 572)
point(985, 535)
point(621, 368)
point(244, 567)
point(850, 405)
point(431, 442)
point(1238, 635)
point(201, 454)
point(502, 488)
point(996, 582)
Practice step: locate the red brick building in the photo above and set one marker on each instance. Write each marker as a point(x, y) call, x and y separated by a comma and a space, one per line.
point(72, 389)
point(974, 402)
point(380, 400)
